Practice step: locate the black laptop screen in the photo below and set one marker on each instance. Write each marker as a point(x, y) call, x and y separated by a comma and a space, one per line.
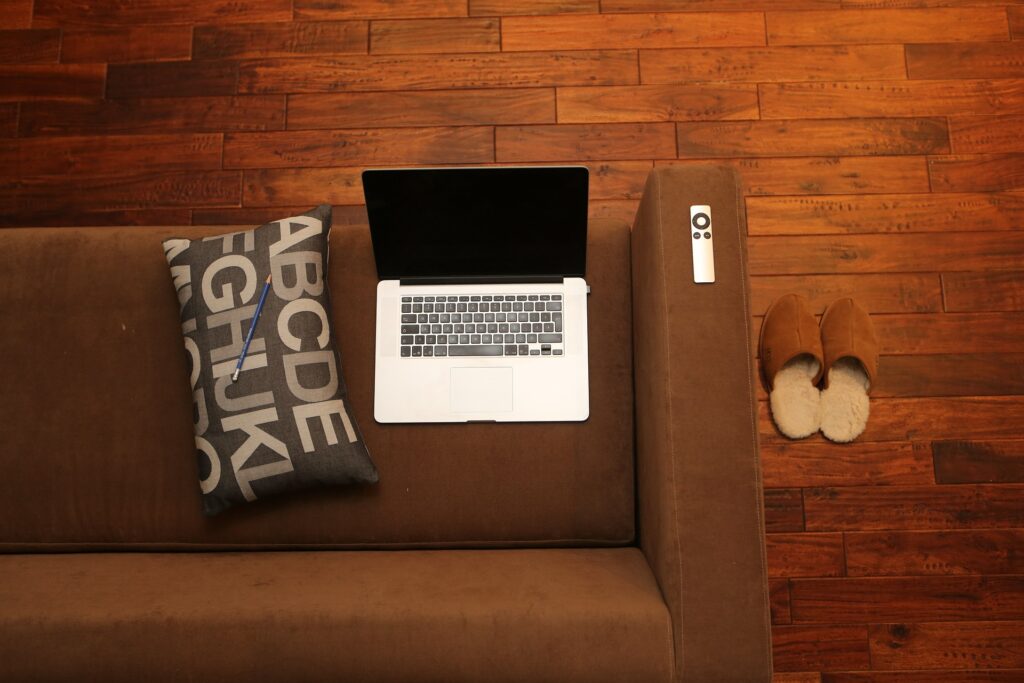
point(478, 223)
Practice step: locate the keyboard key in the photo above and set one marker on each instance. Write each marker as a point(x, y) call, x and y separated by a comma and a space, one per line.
point(545, 350)
point(409, 318)
point(478, 317)
point(474, 339)
point(514, 328)
point(429, 298)
point(419, 339)
point(517, 306)
point(417, 308)
point(422, 317)
point(407, 339)
point(557, 352)
point(511, 351)
point(499, 298)
point(500, 317)
point(534, 317)
point(556, 297)
point(545, 297)
point(510, 338)
point(473, 308)
point(431, 339)
point(449, 308)
point(442, 339)
point(532, 297)
point(406, 308)
point(506, 306)
point(463, 338)
point(540, 306)
point(481, 350)
point(524, 350)
point(417, 298)
point(428, 351)
point(488, 317)
point(474, 298)
point(406, 351)
point(462, 307)
point(492, 328)
point(520, 339)
point(417, 352)
point(440, 299)
point(440, 351)
point(459, 329)
point(463, 298)
point(549, 338)
point(535, 352)
point(521, 297)
point(487, 298)
point(434, 318)
point(428, 308)
point(545, 317)
point(549, 327)
point(446, 318)
point(528, 306)
point(453, 339)
point(531, 339)
point(435, 329)
point(406, 299)
point(554, 306)
point(424, 329)
point(447, 329)
point(410, 329)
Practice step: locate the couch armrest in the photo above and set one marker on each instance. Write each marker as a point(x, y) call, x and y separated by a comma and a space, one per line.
point(698, 476)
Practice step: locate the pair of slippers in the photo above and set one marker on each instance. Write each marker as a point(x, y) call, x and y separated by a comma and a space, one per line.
point(796, 354)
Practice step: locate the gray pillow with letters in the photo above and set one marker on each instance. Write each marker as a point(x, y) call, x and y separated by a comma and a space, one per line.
point(286, 424)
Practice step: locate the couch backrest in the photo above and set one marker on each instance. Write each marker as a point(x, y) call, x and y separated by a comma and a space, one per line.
point(96, 446)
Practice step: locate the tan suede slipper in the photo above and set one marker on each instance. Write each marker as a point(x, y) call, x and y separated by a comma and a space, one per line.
point(851, 365)
point(791, 365)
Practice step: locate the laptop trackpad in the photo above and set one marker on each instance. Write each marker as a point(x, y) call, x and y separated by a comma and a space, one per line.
point(481, 390)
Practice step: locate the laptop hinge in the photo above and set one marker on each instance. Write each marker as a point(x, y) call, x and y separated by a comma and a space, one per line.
point(488, 280)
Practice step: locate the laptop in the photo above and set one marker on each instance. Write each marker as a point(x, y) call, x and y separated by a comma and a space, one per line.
point(481, 305)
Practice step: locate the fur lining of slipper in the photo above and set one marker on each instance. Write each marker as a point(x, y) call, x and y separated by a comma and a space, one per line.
point(795, 401)
point(844, 404)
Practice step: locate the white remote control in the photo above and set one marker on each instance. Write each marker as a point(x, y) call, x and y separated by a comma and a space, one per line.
point(703, 243)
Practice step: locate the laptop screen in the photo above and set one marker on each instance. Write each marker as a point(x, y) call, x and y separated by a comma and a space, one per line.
point(478, 223)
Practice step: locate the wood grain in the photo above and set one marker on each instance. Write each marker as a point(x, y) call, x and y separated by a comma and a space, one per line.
point(773, 64)
point(171, 79)
point(784, 510)
point(34, 82)
point(886, 26)
point(976, 172)
point(778, 600)
point(964, 462)
point(428, 108)
point(29, 46)
point(585, 141)
point(300, 148)
point(1016, 17)
point(126, 44)
point(955, 374)
point(795, 555)
point(987, 134)
point(972, 645)
point(796, 677)
point(877, 293)
point(799, 648)
point(700, 5)
point(918, 598)
point(813, 137)
point(141, 12)
point(967, 60)
point(439, 72)
point(497, 8)
point(656, 103)
point(963, 506)
point(279, 40)
point(809, 464)
point(592, 31)
point(16, 13)
point(297, 186)
point(932, 676)
point(623, 210)
point(258, 215)
point(435, 35)
point(908, 553)
point(986, 291)
point(891, 98)
point(378, 9)
point(932, 334)
point(8, 120)
point(43, 216)
point(109, 155)
point(885, 213)
point(154, 115)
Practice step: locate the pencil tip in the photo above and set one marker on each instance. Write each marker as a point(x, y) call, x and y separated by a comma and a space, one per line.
point(268, 279)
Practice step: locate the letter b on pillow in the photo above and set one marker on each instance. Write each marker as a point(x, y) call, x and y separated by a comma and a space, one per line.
point(286, 424)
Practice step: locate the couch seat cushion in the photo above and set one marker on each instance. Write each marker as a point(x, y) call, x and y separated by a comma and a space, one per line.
point(499, 615)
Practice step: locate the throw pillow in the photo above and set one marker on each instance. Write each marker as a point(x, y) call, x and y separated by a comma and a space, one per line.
point(286, 424)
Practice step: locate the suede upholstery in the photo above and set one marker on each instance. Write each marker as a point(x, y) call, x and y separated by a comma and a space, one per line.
point(97, 455)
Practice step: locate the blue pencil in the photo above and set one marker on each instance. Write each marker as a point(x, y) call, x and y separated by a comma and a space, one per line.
point(252, 330)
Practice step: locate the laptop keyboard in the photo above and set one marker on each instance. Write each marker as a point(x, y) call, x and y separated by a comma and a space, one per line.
point(482, 325)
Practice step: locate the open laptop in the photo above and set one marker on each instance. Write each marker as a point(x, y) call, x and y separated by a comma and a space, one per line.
point(482, 306)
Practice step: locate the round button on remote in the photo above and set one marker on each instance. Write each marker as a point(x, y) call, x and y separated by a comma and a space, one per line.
point(696, 235)
point(701, 221)
point(707, 235)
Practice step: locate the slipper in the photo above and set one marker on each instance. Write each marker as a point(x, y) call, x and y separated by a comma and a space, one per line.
point(791, 364)
point(851, 364)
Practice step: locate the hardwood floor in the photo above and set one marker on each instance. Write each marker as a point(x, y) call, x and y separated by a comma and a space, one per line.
point(881, 147)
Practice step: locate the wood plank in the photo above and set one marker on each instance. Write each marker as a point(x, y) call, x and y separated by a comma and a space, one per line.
point(907, 4)
point(878, 293)
point(907, 553)
point(986, 133)
point(799, 648)
point(778, 600)
point(248, 215)
point(29, 46)
point(585, 141)
point(773, 64)
point(427, 108)
point(68, 13)
point(438, 72)
point(976, 172)
point(701, 5)
point(891, 98)
point(796, 677)
point(909, 419)
point(965, 462)
point(138, 191)
point(953, 506)
point(1016, 17)
point(623, 210)
point(279, 40)
point(33, 82)
point(180, 114)
point(955, 374)
point(592, 31)
point(965, 598)
point(466, 144)
point(893, 252)
point(885, 213)
point(16, 13)
point(634, 103)
point(71, 217)
point(813, 137)
point(296, 186)
point(8, 120)
point(987, 291)
point(975, 645)
point(127, 44)
point(315, 10)
point(883, 26)
point(932, 334)
point(826, 175)
point(797, 555)
point(109, 155)
point(784, 510)
point(435, 35)
point(809, 464)
point(171, 79)
point(977, 676)
point(965, 60)
point(504, 8)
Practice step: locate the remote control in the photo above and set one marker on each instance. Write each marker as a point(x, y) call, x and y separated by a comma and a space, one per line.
point(703, 243)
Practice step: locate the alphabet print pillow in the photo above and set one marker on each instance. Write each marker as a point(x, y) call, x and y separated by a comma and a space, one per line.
point(286, 423)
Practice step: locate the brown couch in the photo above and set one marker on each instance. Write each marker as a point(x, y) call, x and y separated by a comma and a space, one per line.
point(625, 548)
